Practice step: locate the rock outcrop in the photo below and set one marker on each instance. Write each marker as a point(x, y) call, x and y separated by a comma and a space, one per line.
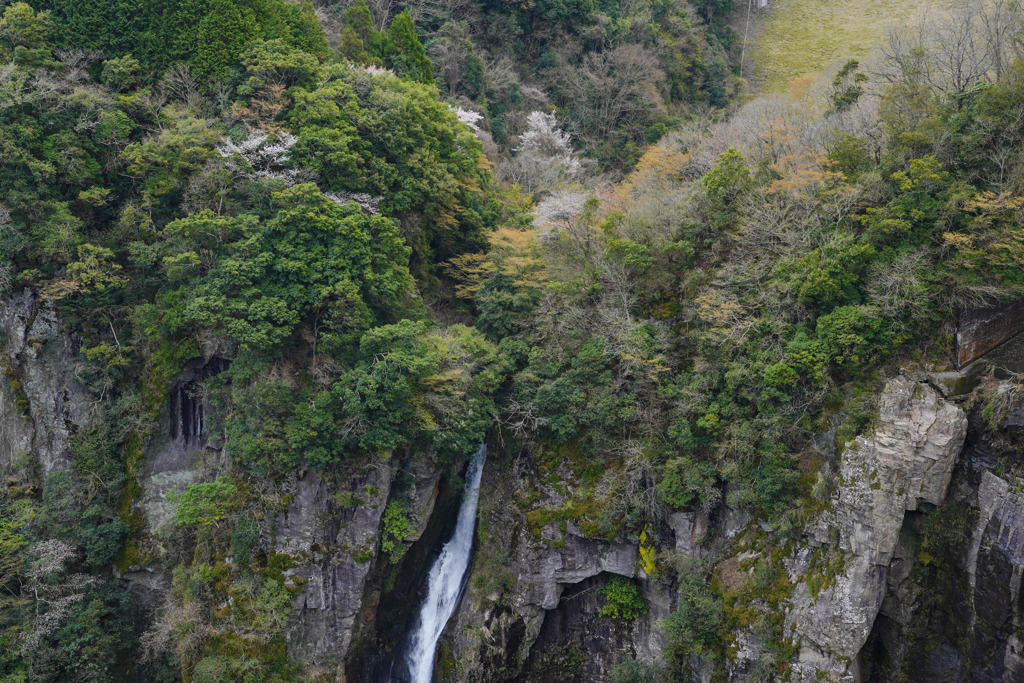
point(982, 330)
point(549, 602)
point(908, 459)
point(957, 615)
point(41, 405)
point(332, 532)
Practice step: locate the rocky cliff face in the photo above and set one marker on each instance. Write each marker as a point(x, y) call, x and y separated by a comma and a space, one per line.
point(530, 611)
point(908, 459)
point(330, 528)
point(893, 603)
point(336, 544)
point(549, 609)
point(41, 406)
point(953, 610)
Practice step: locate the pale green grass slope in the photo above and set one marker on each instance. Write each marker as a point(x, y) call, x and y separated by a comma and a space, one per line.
point(795, 38)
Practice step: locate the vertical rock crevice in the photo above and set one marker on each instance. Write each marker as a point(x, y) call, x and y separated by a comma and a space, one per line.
point(189, 402)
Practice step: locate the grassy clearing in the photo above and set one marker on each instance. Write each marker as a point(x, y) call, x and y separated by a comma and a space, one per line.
point(795, 38)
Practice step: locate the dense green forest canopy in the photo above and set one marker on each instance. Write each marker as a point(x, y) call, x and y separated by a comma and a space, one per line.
point(306, 192)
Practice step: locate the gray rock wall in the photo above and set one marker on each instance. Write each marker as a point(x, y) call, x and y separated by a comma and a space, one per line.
point(41, 406)
point(908, 458)
point(995, 564)
point(334, 546)
point(551, 606)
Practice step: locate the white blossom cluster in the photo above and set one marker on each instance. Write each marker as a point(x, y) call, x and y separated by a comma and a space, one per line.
point(375, 70)
point(558, 207)
point(469, 117)
point(544, 157)
point(544, 140)
point(265, 157)
point(50, 557)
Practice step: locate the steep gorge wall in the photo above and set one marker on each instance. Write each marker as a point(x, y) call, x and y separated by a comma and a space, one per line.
point(330, 524)
point(530, 611)
point(907, 460)
point(955, 612)
point(532, 615)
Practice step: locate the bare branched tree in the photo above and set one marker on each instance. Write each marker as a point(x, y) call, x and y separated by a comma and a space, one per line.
point(632, 487)
point(179, 84)
point(54, 590)
point(382, 12)
point(897, 288)
point(611, 91)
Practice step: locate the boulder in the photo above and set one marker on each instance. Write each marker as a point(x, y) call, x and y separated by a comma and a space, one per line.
point(953, 384)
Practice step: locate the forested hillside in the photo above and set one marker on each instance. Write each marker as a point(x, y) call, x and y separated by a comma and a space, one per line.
point(270, 272)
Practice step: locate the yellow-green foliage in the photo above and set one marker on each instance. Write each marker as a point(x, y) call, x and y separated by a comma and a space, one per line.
point(803, 37)
point(647, 552)
point(19, 393)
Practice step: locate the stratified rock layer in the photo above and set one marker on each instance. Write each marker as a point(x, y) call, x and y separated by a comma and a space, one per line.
point(982, 330)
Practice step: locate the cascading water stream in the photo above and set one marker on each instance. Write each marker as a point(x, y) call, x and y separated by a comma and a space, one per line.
point(445, 581)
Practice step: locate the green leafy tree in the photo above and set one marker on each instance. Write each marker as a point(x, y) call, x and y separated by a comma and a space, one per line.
point(724, 185)
point(685, 484)
point(434, 389)
point(396, 141)
point(21, 26)
point(847, 87)
point(633, 671)
point(849, 155)
point(312, 257)
point(359, 19)
point(353, 48)
point(120, 73)
point(220, 37)
point(209, 36)
point(404, 53)
point(396, 527)
point(17, 514)
point(274, 62)
point(697, 626)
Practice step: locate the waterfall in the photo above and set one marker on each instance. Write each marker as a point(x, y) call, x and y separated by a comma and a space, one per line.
point(445, 581)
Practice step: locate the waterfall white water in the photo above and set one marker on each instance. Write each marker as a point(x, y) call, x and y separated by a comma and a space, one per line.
point(444, 583)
